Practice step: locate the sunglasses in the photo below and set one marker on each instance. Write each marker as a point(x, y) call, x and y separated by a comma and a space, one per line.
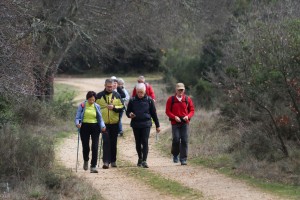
point(180, 90)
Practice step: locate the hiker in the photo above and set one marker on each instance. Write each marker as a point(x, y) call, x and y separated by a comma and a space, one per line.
point(117, 88)
point(180, 110)
point(149, 89)
point(141, 109)
point(121, 84)
point(111, 106)
point(90, 122)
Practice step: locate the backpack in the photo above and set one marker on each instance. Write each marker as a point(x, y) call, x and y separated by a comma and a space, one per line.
point(186, 101)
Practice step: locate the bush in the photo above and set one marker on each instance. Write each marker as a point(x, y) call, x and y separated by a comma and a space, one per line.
point(22, 152)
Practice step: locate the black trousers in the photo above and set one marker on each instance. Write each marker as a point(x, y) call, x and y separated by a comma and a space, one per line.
point(141, 136)
point(86, 131)
point(110, 139)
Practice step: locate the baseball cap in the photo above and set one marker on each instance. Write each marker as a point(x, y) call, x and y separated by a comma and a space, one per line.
point(180, 86)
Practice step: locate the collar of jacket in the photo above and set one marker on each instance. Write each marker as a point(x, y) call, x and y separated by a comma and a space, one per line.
point(106, 92)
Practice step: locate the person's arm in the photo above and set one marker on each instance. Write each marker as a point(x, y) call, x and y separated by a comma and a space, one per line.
point(168, 109)
point(133, 92)
point(78, 116)
point(191, 108)
point(153, 113)
point(127, 95)
point(121, 92)
point(151, 92)
point(117, 104)
point(101, 121)
point(129, 108)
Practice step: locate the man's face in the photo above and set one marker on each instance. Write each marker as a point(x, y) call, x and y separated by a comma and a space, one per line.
point(179, 92)
point(109, 87)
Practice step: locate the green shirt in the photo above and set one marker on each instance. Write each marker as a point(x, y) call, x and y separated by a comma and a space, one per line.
point(90, 114)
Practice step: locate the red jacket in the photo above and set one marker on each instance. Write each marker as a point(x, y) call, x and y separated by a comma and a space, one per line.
point(180, 109)
point(149, 91)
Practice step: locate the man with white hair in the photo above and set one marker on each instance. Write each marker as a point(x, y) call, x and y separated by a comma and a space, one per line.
point(149, 89)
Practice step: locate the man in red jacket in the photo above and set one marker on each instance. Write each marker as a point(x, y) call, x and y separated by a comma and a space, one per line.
point(149, 89)
point(180, 109)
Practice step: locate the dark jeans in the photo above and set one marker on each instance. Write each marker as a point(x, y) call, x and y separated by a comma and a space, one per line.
point(180, 140)
point(86, 131)
point(141, 136)
point(110, 139)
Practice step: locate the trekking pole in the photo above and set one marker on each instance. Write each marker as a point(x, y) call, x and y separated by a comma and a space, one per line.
point(101, 142)
point(156, 137)
point(77, 149)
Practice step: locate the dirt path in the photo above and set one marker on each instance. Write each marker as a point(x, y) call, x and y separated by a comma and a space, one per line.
point(113, 184)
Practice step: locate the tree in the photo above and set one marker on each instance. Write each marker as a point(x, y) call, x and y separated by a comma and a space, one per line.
point(264, 69)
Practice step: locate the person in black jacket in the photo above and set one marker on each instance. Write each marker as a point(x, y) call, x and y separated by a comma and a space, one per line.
point(141, 109)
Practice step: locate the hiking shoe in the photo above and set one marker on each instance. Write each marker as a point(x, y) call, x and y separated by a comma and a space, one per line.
point(139, 164)
point(183, 162)
point(94, 170)
point(105, 166)
point(113, 164)
point(175, 159)
point(144, 164)
point(85, 165)
point(121, 133)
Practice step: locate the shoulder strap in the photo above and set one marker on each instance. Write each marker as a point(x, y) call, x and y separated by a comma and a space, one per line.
point(186, 101)
point(82, 105)
point(173, 98)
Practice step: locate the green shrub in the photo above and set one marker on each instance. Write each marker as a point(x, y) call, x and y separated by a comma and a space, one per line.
point(22, 152)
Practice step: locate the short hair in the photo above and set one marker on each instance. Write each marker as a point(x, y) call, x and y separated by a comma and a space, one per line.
point(141, 78)
point(90, 94)
point(109, 80)
point(140, 86)
point(121, 81)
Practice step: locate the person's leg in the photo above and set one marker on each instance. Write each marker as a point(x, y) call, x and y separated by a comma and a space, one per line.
point(95, 140)
point(85, 140)
point(106, 146)
point(138, 142)
point(144, 139)
point(113, 134)
point(183, 143)
point(175, 142)
point(120, 124)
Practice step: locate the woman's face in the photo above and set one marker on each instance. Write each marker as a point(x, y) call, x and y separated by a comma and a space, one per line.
point(91, 100)
point(140, 93)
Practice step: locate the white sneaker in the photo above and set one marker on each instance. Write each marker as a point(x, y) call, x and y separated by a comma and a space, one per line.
point(94, 170)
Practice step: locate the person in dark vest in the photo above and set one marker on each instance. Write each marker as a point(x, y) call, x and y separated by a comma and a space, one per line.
point(180, 109)
point(141, 109)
